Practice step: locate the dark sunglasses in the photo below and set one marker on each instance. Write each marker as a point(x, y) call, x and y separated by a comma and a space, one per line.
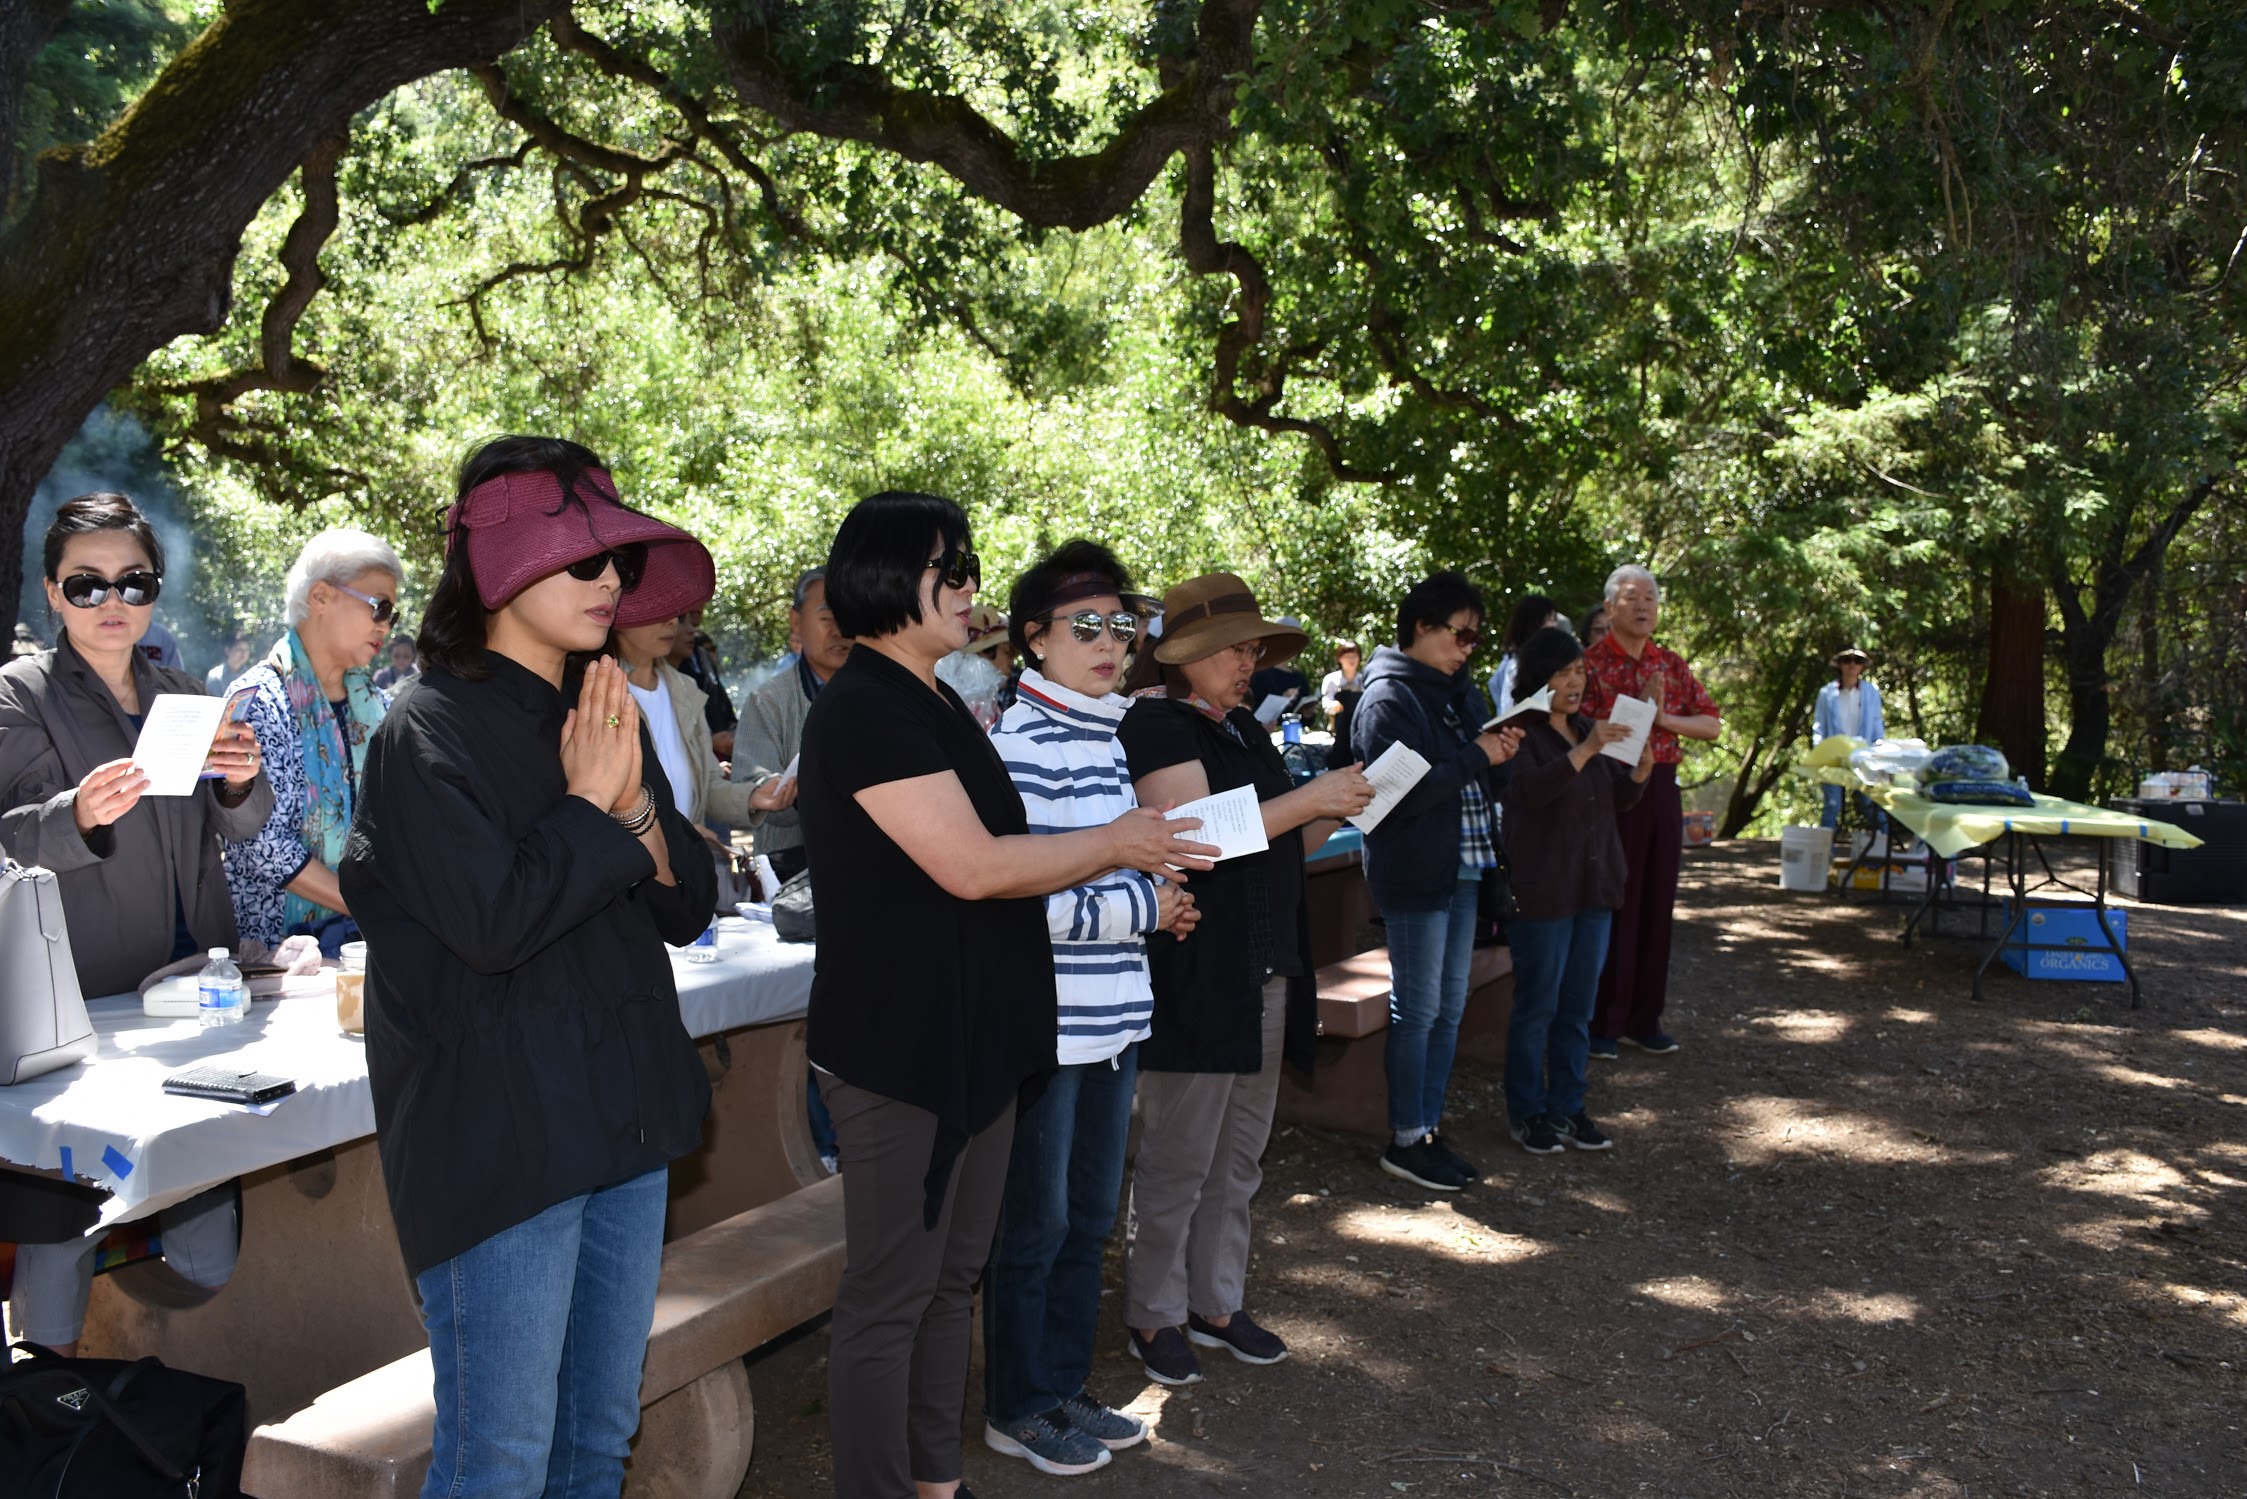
point(1085, 625)
point(629, 560)
point(92, 590)
point(1467, 635)
point(964, 568)
point(384, 610)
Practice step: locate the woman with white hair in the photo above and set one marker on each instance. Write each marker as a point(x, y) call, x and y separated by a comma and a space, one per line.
point(314, 709)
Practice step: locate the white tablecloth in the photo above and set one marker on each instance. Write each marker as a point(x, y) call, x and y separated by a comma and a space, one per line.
point(109, 1122)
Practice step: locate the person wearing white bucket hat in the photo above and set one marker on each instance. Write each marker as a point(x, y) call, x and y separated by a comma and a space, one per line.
point(1849, 704)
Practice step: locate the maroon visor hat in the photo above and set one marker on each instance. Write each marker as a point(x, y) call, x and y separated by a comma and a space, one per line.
point(520, 528)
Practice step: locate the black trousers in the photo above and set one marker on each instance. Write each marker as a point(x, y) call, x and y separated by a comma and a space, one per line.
point(904, 1313)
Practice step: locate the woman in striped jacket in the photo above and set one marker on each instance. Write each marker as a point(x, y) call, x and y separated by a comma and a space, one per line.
point(1074, 620)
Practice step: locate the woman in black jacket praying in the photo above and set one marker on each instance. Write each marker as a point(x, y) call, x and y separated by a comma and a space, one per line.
point(517, 869)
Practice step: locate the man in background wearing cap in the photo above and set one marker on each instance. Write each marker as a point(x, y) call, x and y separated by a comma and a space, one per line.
point(772, 725)
point(1847, 705)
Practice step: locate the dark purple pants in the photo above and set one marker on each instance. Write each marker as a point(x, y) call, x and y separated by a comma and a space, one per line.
point(1636, 981)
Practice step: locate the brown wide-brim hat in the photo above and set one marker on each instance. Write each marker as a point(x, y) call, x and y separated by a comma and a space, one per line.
point(520, 528)
point(1849, 653)
point(1205, 615)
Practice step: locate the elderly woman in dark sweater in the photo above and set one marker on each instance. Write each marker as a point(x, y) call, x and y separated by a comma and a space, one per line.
point(1567, 859)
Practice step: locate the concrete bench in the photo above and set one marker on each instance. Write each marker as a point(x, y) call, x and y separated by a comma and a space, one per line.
point(725, 1290)
point(1350, 1091)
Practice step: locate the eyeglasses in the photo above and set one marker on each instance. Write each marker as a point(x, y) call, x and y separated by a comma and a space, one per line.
point(1085, 625)
point(629, 560)
point(1250, 651)
point(92, 590)
point(385, 610)
point(1467, 635)
point(960, 569)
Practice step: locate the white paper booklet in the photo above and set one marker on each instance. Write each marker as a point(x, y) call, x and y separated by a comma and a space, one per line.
point(1233, 820)
point(1268, 711)
point(1538, 703)
point(175, 740)
point(788, 772)
point(1637, 715)
point(1394, 772)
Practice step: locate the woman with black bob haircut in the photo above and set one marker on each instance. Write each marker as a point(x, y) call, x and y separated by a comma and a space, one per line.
point(932, 1002)
point(517, 869)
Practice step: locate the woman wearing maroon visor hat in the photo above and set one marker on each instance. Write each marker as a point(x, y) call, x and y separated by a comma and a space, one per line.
point(517, 869)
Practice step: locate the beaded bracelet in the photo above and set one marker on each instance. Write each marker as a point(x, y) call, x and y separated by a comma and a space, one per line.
point(642, 815)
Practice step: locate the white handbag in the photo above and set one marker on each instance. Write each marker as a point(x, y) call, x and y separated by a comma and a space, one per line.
point(43, 1022)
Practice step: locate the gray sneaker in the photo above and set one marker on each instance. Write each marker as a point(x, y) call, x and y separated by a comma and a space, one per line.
point(1048, 1443)
point(1113, 1429)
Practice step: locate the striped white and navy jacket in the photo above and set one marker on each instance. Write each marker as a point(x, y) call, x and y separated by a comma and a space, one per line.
point(1060, 747)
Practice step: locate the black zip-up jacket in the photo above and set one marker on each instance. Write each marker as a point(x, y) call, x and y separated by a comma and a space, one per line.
point(523, 1031)
point(1412, 858)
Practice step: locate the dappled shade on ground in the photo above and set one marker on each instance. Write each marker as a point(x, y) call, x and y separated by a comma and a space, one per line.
point(1862, 1236)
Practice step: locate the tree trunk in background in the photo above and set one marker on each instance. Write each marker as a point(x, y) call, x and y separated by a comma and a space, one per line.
point(2013, 712)
point(2151, 670)
point(119, 246)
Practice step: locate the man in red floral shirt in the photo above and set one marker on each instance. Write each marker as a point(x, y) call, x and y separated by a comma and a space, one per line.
point(1627, 663)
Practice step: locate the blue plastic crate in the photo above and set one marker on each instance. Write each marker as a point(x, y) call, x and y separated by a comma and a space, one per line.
point(2086, 957)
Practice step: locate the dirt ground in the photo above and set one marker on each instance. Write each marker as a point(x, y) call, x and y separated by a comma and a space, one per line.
point(1861, 1236)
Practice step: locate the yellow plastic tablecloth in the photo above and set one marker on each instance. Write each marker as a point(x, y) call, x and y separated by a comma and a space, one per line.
point(1951, 829)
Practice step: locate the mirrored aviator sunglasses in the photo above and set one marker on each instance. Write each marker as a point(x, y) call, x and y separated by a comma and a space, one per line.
point(91, 590)
point(1085, 625)
point(630, 561)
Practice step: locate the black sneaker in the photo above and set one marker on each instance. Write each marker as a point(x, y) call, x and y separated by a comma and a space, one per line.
point(1240, 1337)
point(1657, 1043)
point(1580, 1132)
point(1420, 1164)
point(1603, 1049)
point(1537, 1136)
point(1454, 1159)
point(1165, 1357)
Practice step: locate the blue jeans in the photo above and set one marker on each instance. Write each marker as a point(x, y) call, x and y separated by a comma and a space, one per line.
point(1548, 1041)
point(1429, 952)
point(1831, 816)
point(537, 1336)
point(1041, 1293)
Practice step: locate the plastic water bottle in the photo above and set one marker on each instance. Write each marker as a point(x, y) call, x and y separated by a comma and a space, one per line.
point(705, 947)
point(1291, 729)
point(223, 998)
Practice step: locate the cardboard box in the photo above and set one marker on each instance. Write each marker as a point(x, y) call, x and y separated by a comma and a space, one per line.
point(2086, 956)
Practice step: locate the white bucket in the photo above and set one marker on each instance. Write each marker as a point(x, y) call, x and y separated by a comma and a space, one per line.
point(1804, 855)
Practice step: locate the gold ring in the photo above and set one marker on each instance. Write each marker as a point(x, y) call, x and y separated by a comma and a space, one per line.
point(615, 722)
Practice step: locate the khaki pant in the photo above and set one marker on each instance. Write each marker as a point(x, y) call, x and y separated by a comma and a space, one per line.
point(1200, 1162)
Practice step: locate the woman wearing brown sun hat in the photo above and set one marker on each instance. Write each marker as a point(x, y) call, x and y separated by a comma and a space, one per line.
point(1209, 1073)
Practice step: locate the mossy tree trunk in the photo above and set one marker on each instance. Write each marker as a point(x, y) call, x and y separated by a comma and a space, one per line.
point(119, 245)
